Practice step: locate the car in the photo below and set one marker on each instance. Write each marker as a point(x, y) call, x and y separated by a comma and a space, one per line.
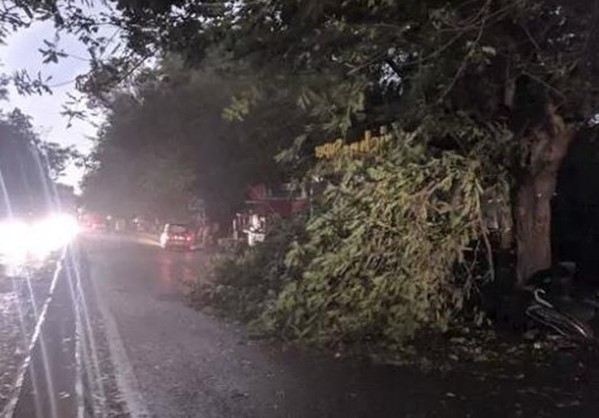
point(177, 236)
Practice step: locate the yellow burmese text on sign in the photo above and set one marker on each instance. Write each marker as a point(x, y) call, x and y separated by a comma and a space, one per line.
point(365, 146)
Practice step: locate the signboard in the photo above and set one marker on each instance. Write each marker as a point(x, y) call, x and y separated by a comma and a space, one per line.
point(367, 145)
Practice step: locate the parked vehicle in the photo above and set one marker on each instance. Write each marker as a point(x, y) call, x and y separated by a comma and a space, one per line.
point(94, 222)
point(561, 306)
point(177, 236)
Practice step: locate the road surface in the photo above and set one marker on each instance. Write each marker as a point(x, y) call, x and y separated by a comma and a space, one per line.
point(122, 342)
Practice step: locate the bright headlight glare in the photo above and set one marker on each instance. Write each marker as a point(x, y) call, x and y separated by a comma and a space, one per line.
point(19, 239)
point(53, 232)
point(14, 237)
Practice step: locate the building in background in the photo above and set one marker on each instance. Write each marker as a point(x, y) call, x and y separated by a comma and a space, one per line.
point(263, 205)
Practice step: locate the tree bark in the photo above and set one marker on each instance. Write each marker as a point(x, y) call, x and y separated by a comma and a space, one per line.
point(546, 146)
point(533, 224)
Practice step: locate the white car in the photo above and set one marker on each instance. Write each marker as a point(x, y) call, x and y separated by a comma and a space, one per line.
point(177, 236)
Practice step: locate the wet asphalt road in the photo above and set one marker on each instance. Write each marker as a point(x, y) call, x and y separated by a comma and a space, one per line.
point(174, 361)
point(124, 343)
point(49, 384)
point(182, 363)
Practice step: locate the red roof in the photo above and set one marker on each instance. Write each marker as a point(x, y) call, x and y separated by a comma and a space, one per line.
point(277, 206)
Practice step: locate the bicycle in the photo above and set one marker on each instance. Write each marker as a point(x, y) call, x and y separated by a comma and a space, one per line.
point(545, 313)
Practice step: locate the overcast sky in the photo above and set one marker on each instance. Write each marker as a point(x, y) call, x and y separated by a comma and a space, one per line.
point(21, 52)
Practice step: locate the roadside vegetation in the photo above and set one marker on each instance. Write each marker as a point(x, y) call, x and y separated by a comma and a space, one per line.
point(396, 246)
point(29, 166)
point(244, 281)
point(481, 102)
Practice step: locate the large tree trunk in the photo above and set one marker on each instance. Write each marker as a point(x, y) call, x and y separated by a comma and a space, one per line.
point(546, 147)
point(533, 224)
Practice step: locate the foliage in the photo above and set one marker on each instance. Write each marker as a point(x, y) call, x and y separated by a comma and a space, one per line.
point(80, 18)
point(382, 51)
point(246, 280)
point(355, 62)
point(358, 63)
point(392, 248)
point(57, 157)
point(53, 158)
point(165, 143)
point(27, 165)
point(527, 65)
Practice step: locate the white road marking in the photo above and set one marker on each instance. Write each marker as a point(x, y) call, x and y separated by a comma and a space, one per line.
point(79, 368)
point(125, 376)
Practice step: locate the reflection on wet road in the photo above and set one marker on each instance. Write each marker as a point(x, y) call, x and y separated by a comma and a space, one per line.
point(175, 269)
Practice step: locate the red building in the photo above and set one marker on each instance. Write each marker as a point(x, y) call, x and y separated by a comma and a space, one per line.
point(262, 205)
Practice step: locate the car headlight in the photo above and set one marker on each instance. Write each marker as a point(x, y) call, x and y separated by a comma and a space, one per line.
point(14, 237)
point(19, 239)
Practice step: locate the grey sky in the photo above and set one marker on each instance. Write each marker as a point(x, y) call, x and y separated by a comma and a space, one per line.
point(21, 52)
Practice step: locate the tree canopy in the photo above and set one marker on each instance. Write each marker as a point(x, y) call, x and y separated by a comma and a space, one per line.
point(522, 67)
point(166, 144)
point(525, 66)
point(27, 166)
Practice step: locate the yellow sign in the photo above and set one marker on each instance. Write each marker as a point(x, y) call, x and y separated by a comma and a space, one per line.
point(365, 146)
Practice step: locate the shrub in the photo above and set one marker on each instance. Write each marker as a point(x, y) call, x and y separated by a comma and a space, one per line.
point(390, 252)
point(244, 280)
point(392, 249)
